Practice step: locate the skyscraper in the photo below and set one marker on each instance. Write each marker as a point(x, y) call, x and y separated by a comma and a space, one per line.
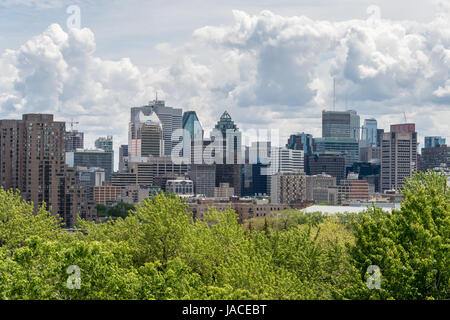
point(369, 133)
point(398, 155)
point(348, 147)
point(301, 141)
point(170, 119)
point(91, 158)
point(434, 141)
point(105, 143)
point(145, 137)
point(191, 123)
point(334, 165)
point(123, 157)
point(435, 157)
point(73, 140)
point(340, 124)
point(229, 171)
point(32, 160)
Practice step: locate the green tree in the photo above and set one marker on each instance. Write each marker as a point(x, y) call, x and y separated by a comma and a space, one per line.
point(410, 246)
point(19, 220)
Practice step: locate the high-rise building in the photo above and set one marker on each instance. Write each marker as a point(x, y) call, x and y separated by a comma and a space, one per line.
point(91, 158)
point(434, 157)
point(286, 160)
point(369, 133)
point(32, 160)
point(191, 123)
point(74, 140)
point(367, 171)
point(398, 156)
point(347, 147)
point(379, 137)
point(370, 154)
point(106, 194)
point(288, 187)
point(123, 157)
point(434, 141)
point(145, 138)
point(340, 124)
point(105, 143)
point(317, 187)
point(170, 118)
point(301, 141)
point(204, 178)
point(230, 170)
point(149, 169)
point(334, 165)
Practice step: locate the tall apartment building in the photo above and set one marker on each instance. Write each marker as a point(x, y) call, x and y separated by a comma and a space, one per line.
point(73, 140)
point(288, 187)
point(170, 118)
point(32, 160)
point(340, 124)
point(398, 155)
point(106, 194)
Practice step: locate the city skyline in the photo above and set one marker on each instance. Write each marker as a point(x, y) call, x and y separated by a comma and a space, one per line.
point(71, 74)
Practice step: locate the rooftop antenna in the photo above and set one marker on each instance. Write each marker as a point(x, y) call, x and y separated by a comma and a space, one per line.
point(334, 94)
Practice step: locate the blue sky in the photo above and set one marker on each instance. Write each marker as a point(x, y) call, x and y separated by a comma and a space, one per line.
point(269, 63)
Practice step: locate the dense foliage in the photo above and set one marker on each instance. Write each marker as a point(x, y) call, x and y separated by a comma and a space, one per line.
point(159, 252)
point(119, 210)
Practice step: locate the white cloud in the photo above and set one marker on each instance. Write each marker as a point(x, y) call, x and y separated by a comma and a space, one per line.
point(267, 70)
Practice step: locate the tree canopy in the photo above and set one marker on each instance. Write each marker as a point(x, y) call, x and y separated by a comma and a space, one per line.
point(159, 251)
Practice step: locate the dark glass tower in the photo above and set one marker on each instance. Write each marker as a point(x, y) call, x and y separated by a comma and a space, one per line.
point(229, 172)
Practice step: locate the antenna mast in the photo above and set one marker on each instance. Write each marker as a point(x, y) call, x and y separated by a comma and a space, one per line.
point(334, 94)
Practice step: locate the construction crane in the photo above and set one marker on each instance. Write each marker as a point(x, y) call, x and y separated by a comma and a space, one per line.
point(72, 123)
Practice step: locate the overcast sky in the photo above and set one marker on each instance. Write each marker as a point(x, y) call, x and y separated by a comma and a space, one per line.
point(271, 64)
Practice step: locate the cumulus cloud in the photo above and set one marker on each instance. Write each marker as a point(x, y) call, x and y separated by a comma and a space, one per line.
point(57, 72)
point(267, 70)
